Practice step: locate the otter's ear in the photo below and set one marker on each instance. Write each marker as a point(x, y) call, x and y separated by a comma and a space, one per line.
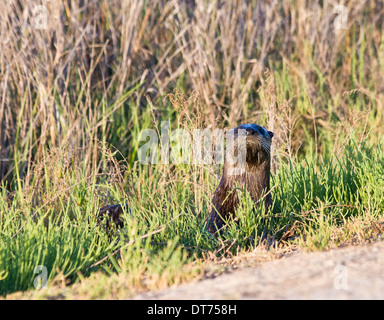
point(270, 134)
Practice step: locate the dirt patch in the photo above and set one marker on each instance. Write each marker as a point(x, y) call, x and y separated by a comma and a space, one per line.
point(344, 273)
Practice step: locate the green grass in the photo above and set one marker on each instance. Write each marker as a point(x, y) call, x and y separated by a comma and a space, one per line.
point(163, 233)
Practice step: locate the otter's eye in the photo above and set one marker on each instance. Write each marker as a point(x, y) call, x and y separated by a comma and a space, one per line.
point(250, 132)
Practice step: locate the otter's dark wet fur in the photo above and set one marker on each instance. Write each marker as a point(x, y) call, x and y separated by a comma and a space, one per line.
point(255, 177)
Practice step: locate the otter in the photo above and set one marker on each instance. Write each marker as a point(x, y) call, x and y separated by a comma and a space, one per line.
point(114, 212)
point(254, 176)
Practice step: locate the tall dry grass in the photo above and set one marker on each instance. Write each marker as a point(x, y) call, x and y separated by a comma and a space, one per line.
point(70, 82)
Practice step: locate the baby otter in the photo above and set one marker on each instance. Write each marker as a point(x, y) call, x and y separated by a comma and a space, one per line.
point(255, 173)
point(114, 212)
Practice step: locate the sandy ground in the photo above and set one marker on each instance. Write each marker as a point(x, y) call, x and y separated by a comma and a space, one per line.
point(344, 273)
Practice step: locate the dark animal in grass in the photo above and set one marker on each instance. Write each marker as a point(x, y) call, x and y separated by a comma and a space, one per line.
point(111, 214)
point(255, 176)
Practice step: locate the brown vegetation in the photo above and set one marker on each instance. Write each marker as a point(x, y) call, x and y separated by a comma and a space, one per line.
point(65, 82)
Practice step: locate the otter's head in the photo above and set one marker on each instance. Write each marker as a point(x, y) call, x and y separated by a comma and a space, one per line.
point(255, 141)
